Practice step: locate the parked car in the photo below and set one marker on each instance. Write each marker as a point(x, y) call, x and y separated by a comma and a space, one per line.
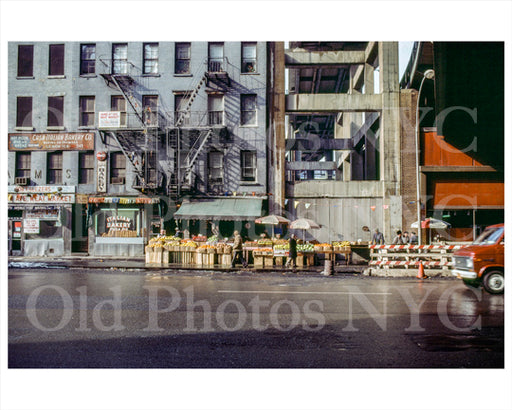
point(483, 262)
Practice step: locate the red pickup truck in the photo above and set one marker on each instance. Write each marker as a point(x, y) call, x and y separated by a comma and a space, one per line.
point(483, 262)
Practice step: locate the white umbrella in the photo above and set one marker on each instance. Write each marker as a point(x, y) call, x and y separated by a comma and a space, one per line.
point(303, 223)
point(272, 220)
point(431, 223)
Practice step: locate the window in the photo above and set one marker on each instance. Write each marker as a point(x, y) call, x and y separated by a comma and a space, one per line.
point(215, 57)
point(86, 162)
point(150, 107)
point(180, 103)
point(118, 222)
point(117, 168)
point(248, 109)
point(150, 58)
point(118, 103)
point(248, 57)
point(87, 59)
point(215, 167)
point(24, 112)
point(182, 58)
point(215, 109)
point(86, 111)
point(23, 164)
point(26, 61)
point(55, 168)
point(120, 59)
point(55, 111)
point(56, 61)
point(248, 165)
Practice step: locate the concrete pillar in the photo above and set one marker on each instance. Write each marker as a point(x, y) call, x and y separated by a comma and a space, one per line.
point(390, 132)
point(368, 79)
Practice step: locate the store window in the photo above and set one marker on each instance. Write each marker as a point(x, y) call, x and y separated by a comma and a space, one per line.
point(56, 60)
point(54, 171)
point(47, 229)
point(248, 109)
point(118, 223)
point(87, 111)
point(55, 111)
point(86, 162)
point(150, 62)
point(216, 57)
point(119, 58)
point(215, 167)
point(248, 165)
point(215, 109)
point(24, 112)
point(117, 168)
point(25, 61)
point(23, 160)
point(118, 103)
point(150, 107)
point(249, 58)
point(87, 59)
point(182, 58)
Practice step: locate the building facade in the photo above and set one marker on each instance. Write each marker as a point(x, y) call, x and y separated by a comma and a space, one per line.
point(107, 140)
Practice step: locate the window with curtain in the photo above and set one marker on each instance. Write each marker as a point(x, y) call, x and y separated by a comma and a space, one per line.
point(23, 160)
point(54, 172)
point(118, 103)
point(182, 58)
point(117, 168)
point(215, 166)
point(120, 59)
point(150, 58)
point(248, 109)
point(249, 57)
point(215, 57)
point(87, 111)
point(248, 165)
point(86, 162)
point(87, 59)
point(215, 109)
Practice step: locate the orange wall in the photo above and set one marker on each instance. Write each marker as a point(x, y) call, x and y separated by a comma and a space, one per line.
point(437, 152)
point(467, 193)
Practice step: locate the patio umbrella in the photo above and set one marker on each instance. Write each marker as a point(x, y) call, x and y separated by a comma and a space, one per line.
point(272, 220)
point(431, 223)
point(303, 223)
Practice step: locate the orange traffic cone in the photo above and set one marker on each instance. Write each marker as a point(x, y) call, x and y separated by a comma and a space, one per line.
point(421, 272)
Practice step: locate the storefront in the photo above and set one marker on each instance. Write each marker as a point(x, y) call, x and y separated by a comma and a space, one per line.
point(120, 226)
point(40, 220)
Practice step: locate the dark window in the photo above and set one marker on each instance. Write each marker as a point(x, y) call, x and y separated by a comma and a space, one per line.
point(55, 168)
point(248, 109)
point(120, 59)
point(248, 57)
point(215, 166)
point(23, 164)
point(56, 61)
point(55, 111)
point(24, 112)
point(87, 111)
point(150, 58)
point(182, 58)
point(117, 168)
point(86, 175)
point(150, 106)
point(87, 58)
point(118, 103)
point(26, 61)
point(248, 165)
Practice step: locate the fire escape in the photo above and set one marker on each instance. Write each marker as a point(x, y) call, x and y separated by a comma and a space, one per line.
point(138, 133)
point(192, 131)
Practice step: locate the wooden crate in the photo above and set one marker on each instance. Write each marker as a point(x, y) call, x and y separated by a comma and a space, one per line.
point(225, 259)
point(268, 260)
point(300, 260)
point(280, 260)
point(198, 258)
point(258, 261)
point(310, 259)
point(165, 257)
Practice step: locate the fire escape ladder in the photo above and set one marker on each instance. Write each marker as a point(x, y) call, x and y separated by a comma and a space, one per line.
point(129, 151)
point(123, 82)
point(189, 97)
point(195, 150)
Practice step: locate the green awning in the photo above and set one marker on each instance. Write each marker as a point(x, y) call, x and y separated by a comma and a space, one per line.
point(228, 209)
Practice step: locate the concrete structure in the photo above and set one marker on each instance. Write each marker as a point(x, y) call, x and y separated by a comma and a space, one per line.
point(343, 143)
point(133, 130)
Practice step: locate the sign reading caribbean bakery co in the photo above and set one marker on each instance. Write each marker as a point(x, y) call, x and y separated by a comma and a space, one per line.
point(70, 141)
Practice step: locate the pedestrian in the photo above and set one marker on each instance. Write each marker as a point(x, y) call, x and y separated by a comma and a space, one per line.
point(292, 253)
point(398, 239)
point(378, 238)
point(238, 253)
point(413, 240)
point(405, 237)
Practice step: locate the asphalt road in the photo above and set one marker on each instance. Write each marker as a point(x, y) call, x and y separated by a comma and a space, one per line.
point(75, 318)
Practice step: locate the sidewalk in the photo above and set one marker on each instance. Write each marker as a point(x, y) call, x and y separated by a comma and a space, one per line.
point(138, 263)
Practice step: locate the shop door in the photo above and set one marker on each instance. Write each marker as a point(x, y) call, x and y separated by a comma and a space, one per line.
point(15, 233)
point(80, 239)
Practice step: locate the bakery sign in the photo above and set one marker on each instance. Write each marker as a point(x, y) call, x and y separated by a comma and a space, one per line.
point(66, 141)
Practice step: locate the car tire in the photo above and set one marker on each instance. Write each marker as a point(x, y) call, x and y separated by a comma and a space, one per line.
point(494, 282)
point(470, 283)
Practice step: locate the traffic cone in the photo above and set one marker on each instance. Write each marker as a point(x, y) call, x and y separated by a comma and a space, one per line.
point(421, 272)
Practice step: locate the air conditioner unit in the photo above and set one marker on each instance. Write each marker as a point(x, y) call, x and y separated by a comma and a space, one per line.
point(117, 180)
point(21, 180)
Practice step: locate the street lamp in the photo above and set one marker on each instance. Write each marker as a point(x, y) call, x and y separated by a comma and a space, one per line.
point(427, 75)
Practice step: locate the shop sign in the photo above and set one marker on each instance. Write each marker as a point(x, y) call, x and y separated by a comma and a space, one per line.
point(42, 198)
point(43, 214)
point(31, 225)
point(68, 141)
point(101, 155)
point(42, 189)
point(101, 180)
point(81, 199)
point(109, 119)
point(17, 229)
point(119, 223)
